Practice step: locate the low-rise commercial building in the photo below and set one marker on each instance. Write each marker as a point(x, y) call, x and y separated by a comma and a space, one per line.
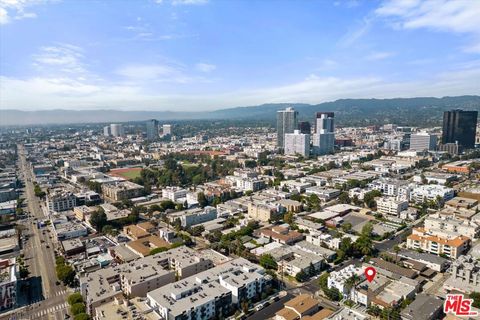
point(8, 284)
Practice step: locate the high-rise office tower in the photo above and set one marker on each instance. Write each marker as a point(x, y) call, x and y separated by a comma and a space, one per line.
point(304, 127)
point(423, 141)
point(116, 130)
point(167, 129)
point(297, 143)
point(324, 138)
point(324, 121)
point(460, 126)
point(286, 123)
point(152, 129)
point(106, 131)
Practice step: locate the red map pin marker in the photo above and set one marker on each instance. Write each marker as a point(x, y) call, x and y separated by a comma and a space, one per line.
point(370, 273)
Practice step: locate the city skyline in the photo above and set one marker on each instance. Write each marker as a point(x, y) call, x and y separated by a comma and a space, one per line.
point(204, 55)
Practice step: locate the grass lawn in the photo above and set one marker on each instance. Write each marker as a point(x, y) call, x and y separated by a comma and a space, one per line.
point(131, 174)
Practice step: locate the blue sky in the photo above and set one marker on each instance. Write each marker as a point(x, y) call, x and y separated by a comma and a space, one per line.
point(210, 54)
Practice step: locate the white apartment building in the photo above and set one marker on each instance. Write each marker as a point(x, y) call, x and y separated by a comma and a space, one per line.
point(60, 200)
point(392, 187)
point(195, 216)
point(138, 277)
point(297, 143)
point(337, 279)
point(430, 192)
point(451, 226)
point(174, 193)
point(210, 293)
point(391, 206)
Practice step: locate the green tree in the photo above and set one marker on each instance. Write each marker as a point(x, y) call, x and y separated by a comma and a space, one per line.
point(74, 298)
point(476, 299)
point(288, 218)
point(81, 316)
point(343, 197)
point(301, 276)
point(202, 200)
point(268, 262)
point(98, 219)
point(167, 204)
point(346, 227)
point(77, 308)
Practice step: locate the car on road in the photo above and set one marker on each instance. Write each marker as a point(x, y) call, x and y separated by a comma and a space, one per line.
point(259, 307)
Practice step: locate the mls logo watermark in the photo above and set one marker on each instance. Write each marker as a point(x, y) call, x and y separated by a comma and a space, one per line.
point(458, 305)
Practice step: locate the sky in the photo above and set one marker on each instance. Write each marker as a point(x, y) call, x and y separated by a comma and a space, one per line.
point(195, 55)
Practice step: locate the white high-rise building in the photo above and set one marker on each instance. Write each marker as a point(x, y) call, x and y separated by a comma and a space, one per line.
point(106, 131)
point(116, 130)
point(167, 129)
point(423, 141)
point(297, 143)
point(324, 138)
point(286, 123)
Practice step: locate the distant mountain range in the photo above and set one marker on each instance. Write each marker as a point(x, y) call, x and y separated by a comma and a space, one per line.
point(402, 111)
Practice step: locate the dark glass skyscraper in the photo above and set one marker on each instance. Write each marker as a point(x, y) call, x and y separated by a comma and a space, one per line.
point(152, 129)
point(304, 127)
point(460, 126)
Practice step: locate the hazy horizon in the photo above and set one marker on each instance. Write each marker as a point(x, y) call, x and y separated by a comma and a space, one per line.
point(203, 55)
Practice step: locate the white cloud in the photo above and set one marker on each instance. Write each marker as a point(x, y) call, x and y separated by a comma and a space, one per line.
point(16, 9)
point(355, 34)
point(381, 55)
point(188, 2)
point(166, 73)
point(458, 16)
point(60, 58)
point(205, 67)
point(75, 93)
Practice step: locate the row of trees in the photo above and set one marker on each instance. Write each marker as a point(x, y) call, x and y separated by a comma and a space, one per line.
point(65, 272)
point(175, 174)
point(77, 307)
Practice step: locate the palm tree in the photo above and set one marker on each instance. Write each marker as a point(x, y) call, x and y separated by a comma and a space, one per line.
point(351, 283)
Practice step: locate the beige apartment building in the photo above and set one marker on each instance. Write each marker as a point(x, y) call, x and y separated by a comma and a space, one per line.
point(122, 190)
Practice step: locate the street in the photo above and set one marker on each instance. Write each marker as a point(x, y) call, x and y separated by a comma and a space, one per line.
point(48, 300)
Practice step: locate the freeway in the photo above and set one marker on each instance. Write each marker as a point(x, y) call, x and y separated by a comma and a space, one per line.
point(48, 302)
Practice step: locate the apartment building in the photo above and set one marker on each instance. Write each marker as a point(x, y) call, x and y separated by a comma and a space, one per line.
point(465, 275)
point(450, 246)
point(122, 190)
point(391, 206)
point(338, 279)
point(451, 225)
point(217, 291)
point(264, 211)
point(193, 217)
point(59, 200)
point(174, 193)
point(138, 277)
point(83, 213)
point(392, 187)
point(282, 234)
point(431, 192)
